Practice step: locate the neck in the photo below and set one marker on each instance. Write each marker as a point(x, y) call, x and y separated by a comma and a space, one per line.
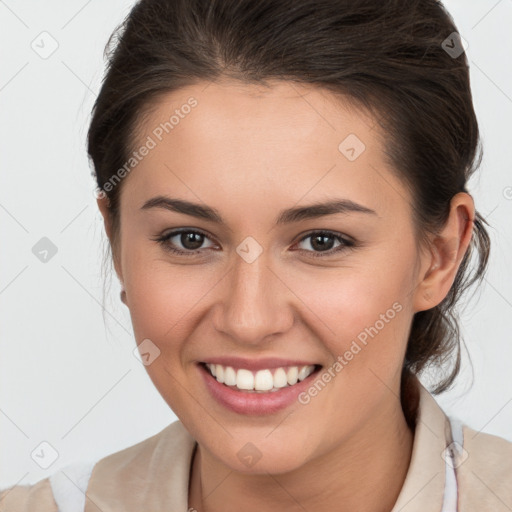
point(365, 473)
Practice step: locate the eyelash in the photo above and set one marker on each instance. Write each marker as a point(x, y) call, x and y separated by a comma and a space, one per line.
point(345, 242)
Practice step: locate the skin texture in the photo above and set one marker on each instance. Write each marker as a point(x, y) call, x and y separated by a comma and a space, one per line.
point(249, 152)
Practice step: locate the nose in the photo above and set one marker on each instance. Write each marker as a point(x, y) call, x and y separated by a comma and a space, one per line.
point(255, 304)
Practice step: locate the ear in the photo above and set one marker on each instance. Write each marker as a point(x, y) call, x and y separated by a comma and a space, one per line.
point(103, 205)
point(439, 267)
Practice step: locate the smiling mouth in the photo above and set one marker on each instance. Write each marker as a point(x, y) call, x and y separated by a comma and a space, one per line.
point(261, 381)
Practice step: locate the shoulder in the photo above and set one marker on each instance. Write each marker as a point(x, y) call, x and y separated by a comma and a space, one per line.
point(24, 498)
point(152, 474)
point(172, 440)
point(485, 471)
point(63, 491)
point(69, 488)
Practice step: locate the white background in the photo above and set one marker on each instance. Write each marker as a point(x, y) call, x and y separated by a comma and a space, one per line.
point(70, 379)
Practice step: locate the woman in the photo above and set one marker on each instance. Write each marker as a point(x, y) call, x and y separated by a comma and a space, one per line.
point(283, 185)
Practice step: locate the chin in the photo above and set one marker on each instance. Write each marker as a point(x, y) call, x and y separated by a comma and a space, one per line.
point(257, 455)
point(265, 463)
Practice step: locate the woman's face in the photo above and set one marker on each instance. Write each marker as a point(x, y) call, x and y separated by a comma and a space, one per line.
point(258, 289)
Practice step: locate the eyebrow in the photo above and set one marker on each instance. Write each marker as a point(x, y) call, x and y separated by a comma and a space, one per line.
point(287, 216)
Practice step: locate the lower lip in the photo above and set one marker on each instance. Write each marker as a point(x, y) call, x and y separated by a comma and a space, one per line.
point(254, 403)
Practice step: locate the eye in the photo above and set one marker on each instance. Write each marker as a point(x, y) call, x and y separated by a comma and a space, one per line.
point(323, 241)
point(190, 239)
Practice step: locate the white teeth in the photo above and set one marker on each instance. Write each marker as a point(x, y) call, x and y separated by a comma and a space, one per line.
point(244, 379)
point(292, 374)
point(262, 380)
point(280, 378)
point(229, 376)
point(303, 373)
point(219, 373)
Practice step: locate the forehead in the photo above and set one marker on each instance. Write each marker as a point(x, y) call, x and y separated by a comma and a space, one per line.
point(256, 143)
point(283, 112)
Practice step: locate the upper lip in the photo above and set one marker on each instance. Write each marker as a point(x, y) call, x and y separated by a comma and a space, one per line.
point(257, 364)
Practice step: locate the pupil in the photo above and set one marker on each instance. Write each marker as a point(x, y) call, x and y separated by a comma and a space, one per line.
point(195, 239)
point(322, 245)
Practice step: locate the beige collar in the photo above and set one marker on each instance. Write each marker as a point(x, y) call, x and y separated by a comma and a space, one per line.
point(423, 488)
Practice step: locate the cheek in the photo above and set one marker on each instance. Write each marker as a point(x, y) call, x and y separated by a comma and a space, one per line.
point(361, 313)
point(363, 317)
point(162, 298)
point(164, 302)
point(349, 300)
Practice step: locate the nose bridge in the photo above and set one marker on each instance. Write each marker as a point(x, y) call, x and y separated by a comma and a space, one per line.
point(253, 306)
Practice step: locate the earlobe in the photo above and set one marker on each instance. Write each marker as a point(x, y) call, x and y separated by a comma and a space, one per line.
point(447, 251)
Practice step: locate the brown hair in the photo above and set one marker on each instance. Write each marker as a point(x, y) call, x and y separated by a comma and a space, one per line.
point(388, 57)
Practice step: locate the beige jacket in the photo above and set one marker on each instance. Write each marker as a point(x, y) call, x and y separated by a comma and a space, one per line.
point(153, 475)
